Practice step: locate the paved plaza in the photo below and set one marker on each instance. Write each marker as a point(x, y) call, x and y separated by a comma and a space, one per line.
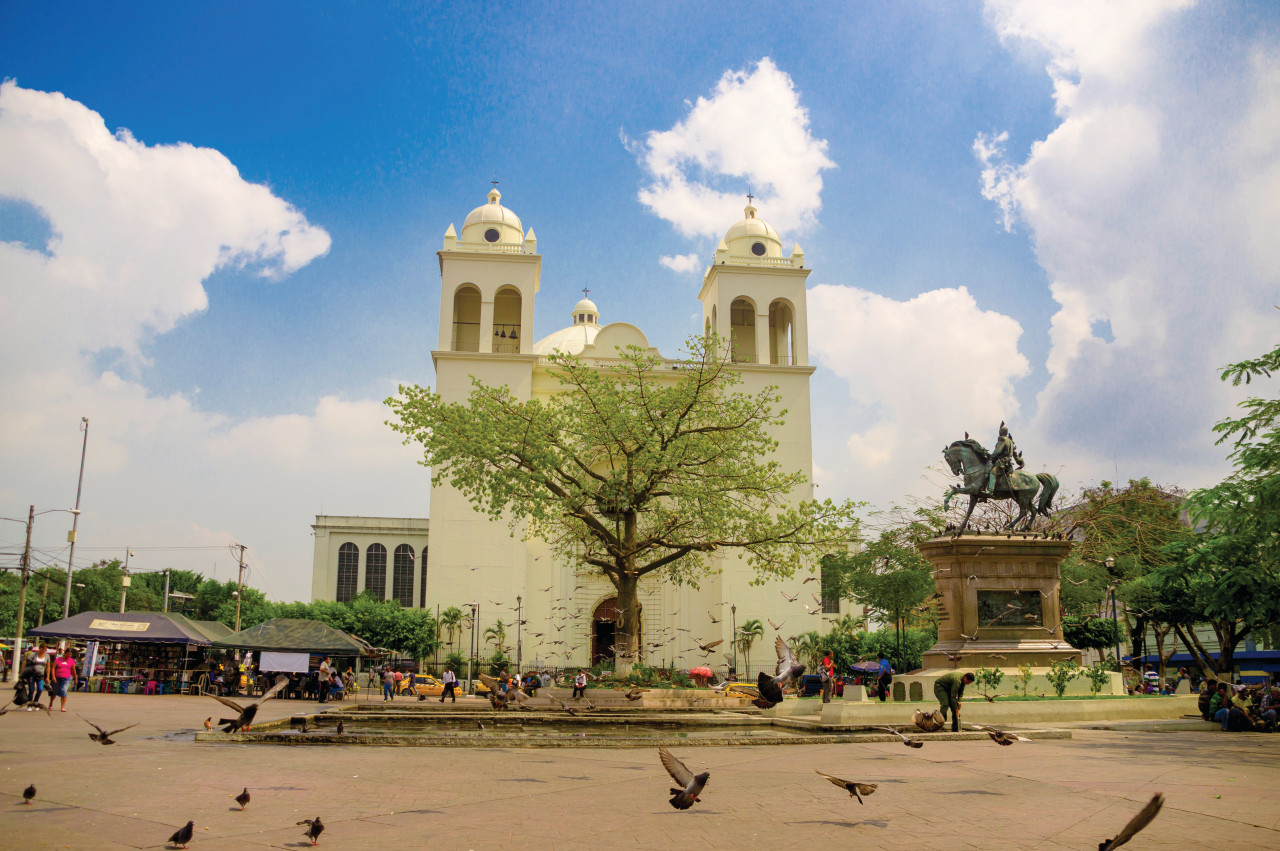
point(1220, 790)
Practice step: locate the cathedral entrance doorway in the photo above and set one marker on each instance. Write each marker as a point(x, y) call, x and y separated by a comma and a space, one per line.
point(604, 623)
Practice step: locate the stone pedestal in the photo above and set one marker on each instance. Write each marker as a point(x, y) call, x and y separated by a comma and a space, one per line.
point(1000, 603)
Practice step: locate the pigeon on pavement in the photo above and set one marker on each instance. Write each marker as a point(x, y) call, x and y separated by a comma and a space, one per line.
point(243, 798)
point(103, 737)
point(247, 713)
point(340, 726)
point(314, 829)
point(788, 670)
point(183, 835)
point(690, 785)
point(855, 789)
point(1137, 823)
point(28, 793)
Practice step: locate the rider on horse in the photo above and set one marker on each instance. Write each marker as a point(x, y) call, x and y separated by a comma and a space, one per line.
point(1001, 460)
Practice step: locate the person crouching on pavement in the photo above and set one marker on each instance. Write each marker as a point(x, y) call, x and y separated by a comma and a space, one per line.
point(949, 689)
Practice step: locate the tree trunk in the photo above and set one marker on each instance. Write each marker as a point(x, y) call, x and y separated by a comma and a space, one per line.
point(627, 635)
point(1161, 634)
point(1197, 651)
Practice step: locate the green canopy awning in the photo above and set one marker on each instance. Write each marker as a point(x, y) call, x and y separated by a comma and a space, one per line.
point(294, 635)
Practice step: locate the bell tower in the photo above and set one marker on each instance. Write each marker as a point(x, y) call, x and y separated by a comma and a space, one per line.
point(753, 297)
point(489, 276)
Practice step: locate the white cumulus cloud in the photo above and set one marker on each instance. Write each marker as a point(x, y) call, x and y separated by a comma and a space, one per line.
point(909, 366)
point(753, 130)
point(136, 230)
point(1153, 208)
point(681, 262)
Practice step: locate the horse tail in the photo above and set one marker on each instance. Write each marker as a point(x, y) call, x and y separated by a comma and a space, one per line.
point(1048, 488)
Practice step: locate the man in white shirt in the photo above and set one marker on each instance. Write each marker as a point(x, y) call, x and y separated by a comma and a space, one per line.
point(580, 684)
point(450, 683)
point(324, 680)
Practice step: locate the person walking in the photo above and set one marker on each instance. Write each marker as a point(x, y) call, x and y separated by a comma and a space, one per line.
point(949, 690)
point(580, 684)
point(828, 676)
point(64, 672)
point(388, 684)
point(325, 672)
point(450, 684)
point(884, 677)
point(40, 665)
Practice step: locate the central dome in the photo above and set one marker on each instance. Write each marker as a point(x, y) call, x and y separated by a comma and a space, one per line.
point(575, 338)
point(492, 223)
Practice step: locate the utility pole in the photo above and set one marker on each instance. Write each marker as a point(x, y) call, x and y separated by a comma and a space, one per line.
point(125, 581)
point(22, 596)
point(240, 586)
point(166, 589)
point(71, 537)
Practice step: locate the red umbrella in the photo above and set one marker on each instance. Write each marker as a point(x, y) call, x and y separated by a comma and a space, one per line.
point(702, 671)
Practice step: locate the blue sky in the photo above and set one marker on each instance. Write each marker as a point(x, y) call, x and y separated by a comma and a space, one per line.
point(1037, 272)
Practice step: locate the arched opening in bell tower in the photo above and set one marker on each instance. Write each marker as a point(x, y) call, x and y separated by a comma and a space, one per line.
point(506, 321)
point(781, 333)
point(742, 330)
point(466, 320)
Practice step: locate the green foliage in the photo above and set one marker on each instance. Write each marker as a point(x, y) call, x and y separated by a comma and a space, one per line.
point(499, 663)
point(451, 624)
point(1061, 673)
point(914, 642)
point(1098, 676)
point(640, 465)
point(1090, 633)
point(1023, 679)
point(680, 679)
point(988, 679)
point(456, 661)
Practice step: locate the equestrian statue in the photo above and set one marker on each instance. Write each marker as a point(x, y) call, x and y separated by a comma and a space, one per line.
point(991, 475)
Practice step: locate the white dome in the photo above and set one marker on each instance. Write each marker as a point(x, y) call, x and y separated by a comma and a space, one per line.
point(585, 306)
point(753, 237)
point(571, 340)
point(492, 223)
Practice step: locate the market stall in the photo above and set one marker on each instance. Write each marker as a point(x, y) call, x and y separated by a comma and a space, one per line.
point(137, 652)
point(294, 647)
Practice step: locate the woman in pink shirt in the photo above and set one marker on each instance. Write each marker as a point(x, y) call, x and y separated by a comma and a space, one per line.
point(64, 670)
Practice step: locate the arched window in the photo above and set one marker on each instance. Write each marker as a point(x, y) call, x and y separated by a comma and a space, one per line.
point(506, 321)
point(781, 334)
point(742, 330)
point(402, 576)
point(375, 571)
point(348, 570)
point(422, 582)
point(466, 319)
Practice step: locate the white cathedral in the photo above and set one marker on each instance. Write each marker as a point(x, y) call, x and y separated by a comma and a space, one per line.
point(490, 275)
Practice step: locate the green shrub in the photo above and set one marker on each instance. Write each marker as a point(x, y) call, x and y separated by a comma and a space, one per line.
point(988, 679)
point(1098, 676)
point(1024, 679)
point(1061, 673)
point(679, 679)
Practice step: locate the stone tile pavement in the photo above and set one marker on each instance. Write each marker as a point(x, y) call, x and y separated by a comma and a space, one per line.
point(1220, 790)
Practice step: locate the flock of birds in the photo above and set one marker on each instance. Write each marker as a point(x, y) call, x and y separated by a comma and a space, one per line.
point(689, 786)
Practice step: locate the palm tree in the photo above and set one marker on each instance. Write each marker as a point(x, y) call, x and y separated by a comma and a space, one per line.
point(747, 635)
point(808, 649)
point(497, 634)
point(451, 620)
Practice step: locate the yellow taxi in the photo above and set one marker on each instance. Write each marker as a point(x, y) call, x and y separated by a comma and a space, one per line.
point(422, 684)
point(747, 690)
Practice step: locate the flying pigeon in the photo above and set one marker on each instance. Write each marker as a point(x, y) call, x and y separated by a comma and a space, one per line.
point(791, 598)
point(497, 699)
point(103, 737)
point(810, 579)
point(711, 645)
point(247, 713)
point(909, 741)
point(776, 626)
point(183, 835)
point(28, 793)
point(855, 789)
point(243, 798)
point(714, 619)
point(1000, 737)
point(635, 693)
point(788, 671)
point(1137, 823)
point(689, 786)
point(314, 829)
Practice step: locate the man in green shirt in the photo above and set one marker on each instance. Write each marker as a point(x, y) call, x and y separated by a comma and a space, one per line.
point(949, 688)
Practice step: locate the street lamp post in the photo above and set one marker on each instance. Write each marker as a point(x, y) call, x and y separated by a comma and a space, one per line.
point(471, 662)
point(733, 615)
point(71, 556)
point(1115, 622)
point(519, 640)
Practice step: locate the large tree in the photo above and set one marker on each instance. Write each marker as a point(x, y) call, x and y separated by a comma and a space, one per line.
point(639, 466)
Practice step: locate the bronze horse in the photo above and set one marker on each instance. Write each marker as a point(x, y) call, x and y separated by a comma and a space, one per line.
point(968, 458)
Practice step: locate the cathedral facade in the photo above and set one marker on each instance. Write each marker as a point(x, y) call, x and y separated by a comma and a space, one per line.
point(752, 295)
